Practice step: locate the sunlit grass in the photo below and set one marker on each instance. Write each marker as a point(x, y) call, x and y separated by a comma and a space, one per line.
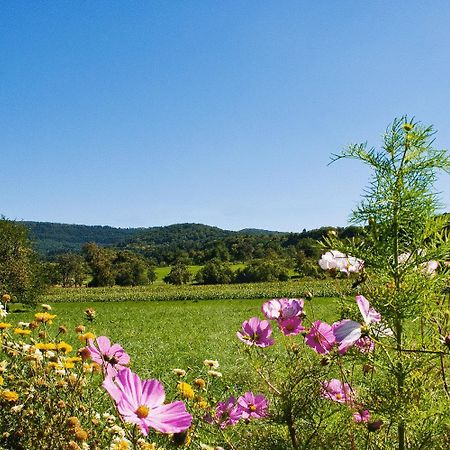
point(160, 336)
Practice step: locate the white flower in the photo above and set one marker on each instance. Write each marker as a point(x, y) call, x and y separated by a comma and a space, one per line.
point(340, 262)
point(212, 363)
point(24, 324)
point(3, 312)
point(120, 443)
point(16, 409)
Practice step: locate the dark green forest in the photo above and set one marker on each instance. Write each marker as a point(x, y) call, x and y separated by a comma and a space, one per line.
point(194, 243)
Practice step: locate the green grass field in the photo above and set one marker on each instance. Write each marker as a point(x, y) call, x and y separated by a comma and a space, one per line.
point(160, 336)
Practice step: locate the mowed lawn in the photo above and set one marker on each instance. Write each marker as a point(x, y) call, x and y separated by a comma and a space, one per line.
point(160, 336)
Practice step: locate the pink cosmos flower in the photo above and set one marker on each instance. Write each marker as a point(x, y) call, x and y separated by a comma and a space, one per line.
point(361, 416)
point(320, 337)
point(283, 308)
point(253, 406)
point(365, 344)
point(256, 332)
point(429, 267)
point(288, 312)
point(227, 413)
point(347, 331)
point(291, 326)
point(337, 391)
point(142, 402)
point(111, 357)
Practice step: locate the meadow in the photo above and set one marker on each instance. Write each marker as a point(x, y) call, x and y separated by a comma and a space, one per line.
point(161, 336)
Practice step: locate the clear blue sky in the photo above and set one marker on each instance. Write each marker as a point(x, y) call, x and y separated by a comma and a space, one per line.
point(145, 113)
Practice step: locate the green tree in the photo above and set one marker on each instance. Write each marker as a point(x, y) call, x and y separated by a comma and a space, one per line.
point(262, 270)
point(215, 272)
point(178, 275)
point(131, 269)
point(19, 269)
point(100, 261)
point(307, 267)
point(73, 269)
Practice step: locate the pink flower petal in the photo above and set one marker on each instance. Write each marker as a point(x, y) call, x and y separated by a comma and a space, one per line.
point(171, 418)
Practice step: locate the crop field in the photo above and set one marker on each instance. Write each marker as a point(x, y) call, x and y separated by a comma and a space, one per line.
point(163, 292)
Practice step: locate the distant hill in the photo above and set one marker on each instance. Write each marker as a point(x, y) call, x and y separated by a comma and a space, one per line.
point(164, 245)
point(257, 231)
point(53, 238)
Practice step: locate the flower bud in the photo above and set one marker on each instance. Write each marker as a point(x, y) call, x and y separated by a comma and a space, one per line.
point(375, 425)
point(407, 127)
point(447, 341)
point(84, 353)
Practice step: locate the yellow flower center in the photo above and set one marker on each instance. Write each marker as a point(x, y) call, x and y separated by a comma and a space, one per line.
point(252, 408)
point(142, 412)
point(338, 396)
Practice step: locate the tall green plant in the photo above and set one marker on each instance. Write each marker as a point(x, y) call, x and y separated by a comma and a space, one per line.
point(405, 240)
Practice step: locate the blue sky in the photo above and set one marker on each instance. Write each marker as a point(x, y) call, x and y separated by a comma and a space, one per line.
point(130, 113)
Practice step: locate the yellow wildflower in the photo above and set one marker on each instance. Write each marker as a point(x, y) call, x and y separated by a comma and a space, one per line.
point(45, 346)
point(9, 396)
point(86, 336)
point(74, 359)
point(6, 298)
point(186, 390)
point(45, 317)
point(4, 325)
point(64, 347)
point(22, 332)
point(55, 365)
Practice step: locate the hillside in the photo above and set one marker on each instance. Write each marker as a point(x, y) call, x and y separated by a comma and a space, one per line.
point(197, 243)
point(53, 238)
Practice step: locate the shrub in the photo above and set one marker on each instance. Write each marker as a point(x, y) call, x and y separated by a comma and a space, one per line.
point(262, 270)
point(215, 272)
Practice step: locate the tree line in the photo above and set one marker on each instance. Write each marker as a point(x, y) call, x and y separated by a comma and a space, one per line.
point(265, 256)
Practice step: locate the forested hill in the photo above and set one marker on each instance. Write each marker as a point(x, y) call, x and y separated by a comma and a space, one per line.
point(53, 238)
point(164, 245)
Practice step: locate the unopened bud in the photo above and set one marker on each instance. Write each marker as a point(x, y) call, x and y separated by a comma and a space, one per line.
point(407, 127)
point(375, 425)
point(84, 353)
point(447, 341)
